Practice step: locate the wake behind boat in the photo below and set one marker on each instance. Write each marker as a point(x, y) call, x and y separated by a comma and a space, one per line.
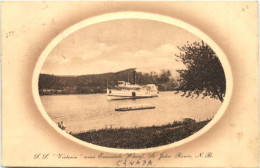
point(125, 90)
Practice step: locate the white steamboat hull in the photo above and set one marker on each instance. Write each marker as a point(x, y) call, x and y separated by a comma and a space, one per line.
point(115, 97)
point(121, 95)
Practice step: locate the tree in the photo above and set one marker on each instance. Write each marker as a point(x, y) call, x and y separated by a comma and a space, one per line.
point(203, 74)
point(165, 76)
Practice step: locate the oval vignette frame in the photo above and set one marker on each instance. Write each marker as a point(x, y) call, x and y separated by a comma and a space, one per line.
point(133, 15)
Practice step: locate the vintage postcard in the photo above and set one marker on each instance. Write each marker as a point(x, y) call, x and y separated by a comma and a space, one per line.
point(130, 84)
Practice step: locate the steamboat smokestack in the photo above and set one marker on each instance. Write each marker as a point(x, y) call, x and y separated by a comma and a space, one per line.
point(134, 77)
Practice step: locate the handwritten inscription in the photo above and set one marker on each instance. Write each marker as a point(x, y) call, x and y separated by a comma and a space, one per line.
point(132, 159)
point(129, 163)
point(200, 155)
point(128, 159)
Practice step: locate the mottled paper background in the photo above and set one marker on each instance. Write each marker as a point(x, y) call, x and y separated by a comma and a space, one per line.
point(27, 27)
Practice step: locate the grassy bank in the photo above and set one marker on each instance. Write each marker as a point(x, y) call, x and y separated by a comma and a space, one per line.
point(144, 137)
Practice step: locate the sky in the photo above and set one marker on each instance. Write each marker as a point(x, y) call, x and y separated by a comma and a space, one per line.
point(118, 45)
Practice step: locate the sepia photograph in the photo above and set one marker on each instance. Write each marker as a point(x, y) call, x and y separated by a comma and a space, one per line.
point(132, 84)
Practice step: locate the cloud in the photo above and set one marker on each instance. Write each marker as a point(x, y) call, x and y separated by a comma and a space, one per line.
point(91, 54)
point(117, 45)
point(166, 49)
point(95, 50)
point(59, 58)
point(158, 59)
point(101, 58)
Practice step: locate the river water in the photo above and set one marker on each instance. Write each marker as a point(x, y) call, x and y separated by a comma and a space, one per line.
point(93, 111)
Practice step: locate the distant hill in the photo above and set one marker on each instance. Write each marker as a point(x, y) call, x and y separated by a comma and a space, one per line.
point(97, 83)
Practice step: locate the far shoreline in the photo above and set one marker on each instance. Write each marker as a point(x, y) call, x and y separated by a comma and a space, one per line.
point(58, 94)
